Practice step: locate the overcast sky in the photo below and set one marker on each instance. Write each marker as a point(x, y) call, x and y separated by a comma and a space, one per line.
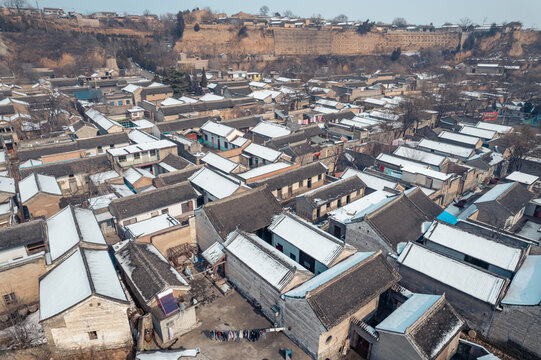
point(414, 11)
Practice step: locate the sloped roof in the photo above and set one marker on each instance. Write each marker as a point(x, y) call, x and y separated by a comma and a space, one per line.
point(334, 190)
point(342, 296)
point(175, 177)
point(248, 211)
point(87, 165)
point(399, 220)
point(22, 234)
point(82, 274)
point(293, 176)
point(423, 203)
point(151, 200)
point(148, 270)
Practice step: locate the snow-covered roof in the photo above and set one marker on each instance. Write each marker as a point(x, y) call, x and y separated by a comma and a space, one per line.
point(214, 253)
point(328, 275)
point(478, 132)
point(187, 99)
point(270, 130)
point(219, 162)
point(522, 178)
point(70, 282)
point(30, 163)
point(446, 148)
point(101, 177)
point(100, 119)
point(210, 97)
point(152, 225)
point(378, 102)
point(239, 141)
point(494, 193)
point(327, 102)
point(131, 88)
point(132, 149)
point(7, 185)
point(487, 250)
point(262, 152)
point(342, 214)
point(166, 355)
point(463, 277)
point(371, 181)
point(465, 139)
point(218, 129)
point(501, 129)
point(384, 115)
point(397, 161)
point(266, 261)
point(257, 84)
point(140, 137)
point(262, 170)
point(215, 184)
point(69, 226)
point(122, 190)
point(408, 313)
point(307, 238)
point(171, 101)
point(416, 169)
point(132, 175)
point(324, 110)
point(263, 94)
point(525, 288)
point(424, 157)
point(101, 202)
point(35, 183)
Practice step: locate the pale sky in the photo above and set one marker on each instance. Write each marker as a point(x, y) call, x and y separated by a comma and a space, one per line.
point(414, 11)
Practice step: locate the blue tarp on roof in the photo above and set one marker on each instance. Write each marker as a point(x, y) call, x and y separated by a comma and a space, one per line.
point(448, 218)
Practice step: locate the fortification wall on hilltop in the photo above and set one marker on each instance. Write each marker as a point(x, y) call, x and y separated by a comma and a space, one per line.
point(212, 40)
point(329, 42)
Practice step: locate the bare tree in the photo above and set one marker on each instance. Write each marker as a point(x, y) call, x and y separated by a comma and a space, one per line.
point(465, 22)
point(410, 109)
point(520, 143)
point(264, 10)
point(288, 13)
point(342, 18)
point(400, 22)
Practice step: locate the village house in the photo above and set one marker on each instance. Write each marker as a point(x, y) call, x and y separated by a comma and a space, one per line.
point(100, 206)
point(434, 161)
point(7, 189)
point(306, 244)
point(103, 123)
point(40, 195)
point(424, 327)
point(137, 178)
point(530, 181)
point(71, 228)
point(163, 231)
point(156, 93)
point(259, 155)
point(177, 200)
point(316, 204)
point(318, 314)
point(214, 186)
point(158, 289)
point(82, 129)
point(261, 272)
point(460, 139)
point(82, 304)
point(223, 164)
point(502, 206)
point(250, 211)
point(392, 222)
point(72, 176)
point(22, 262)
point(373, 180)
point(285, 186)
point(218, 136)
point(171, 163)
point(445, 149)
point(141, 155)
point(175, 177)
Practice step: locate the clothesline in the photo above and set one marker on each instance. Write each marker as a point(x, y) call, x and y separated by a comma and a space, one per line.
point(237, 335)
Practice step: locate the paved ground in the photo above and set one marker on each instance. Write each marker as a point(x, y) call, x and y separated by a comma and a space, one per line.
point(234, 312)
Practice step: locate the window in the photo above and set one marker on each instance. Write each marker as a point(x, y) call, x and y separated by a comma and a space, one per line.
point(122, 158)
point(127, 102)
point(293, 257)
point(111, 146)
point(187, 206)
point(206, 137)
point(165, 211)
point(319, 177)
point(279, 247)
point(112, 103)
point(137, 156)
point(119, 102)
point(10, 298)
point(92, 335)
point(100, 149)
point(328, 340)
point(154, 214)
point(152, 152)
